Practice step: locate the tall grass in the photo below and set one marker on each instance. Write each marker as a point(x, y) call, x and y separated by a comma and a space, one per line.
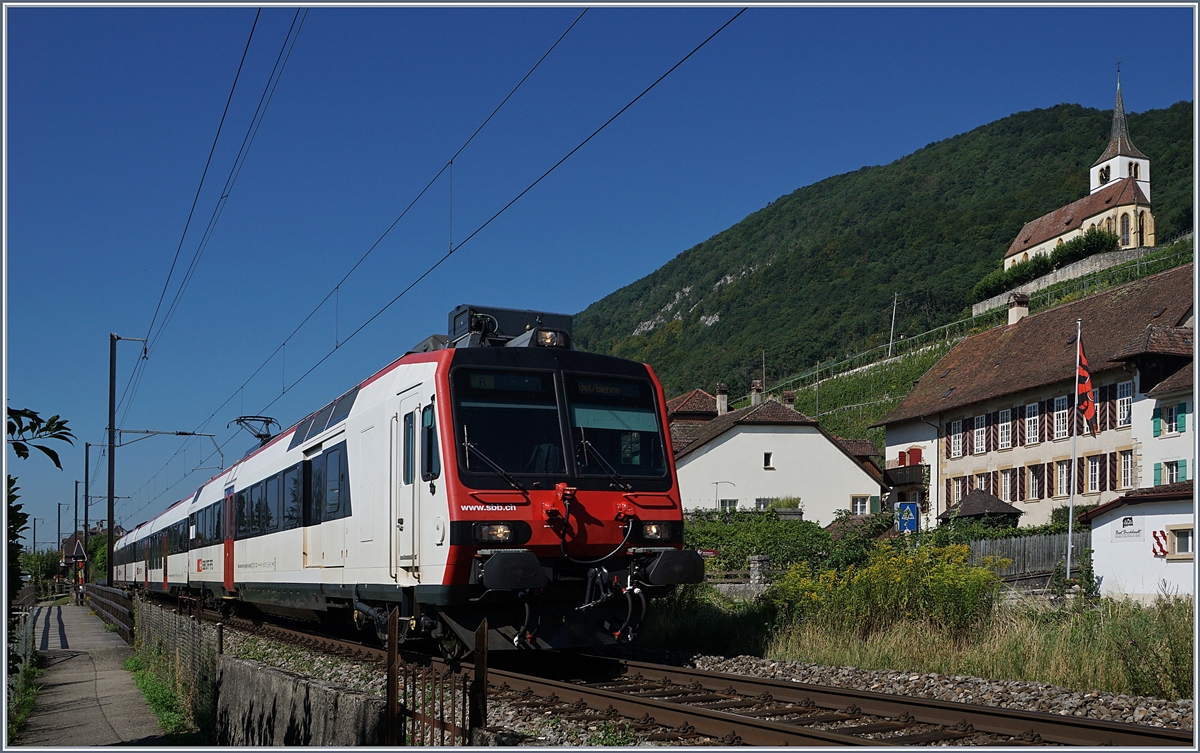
point(1107, 646)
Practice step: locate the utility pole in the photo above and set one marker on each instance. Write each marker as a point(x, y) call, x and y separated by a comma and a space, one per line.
point(34, 548)
point(764, 381)
point(87, 501)
point(113, 337)
point(75, 530)
point(817, 391)
point(61, 505)
point(891, 337)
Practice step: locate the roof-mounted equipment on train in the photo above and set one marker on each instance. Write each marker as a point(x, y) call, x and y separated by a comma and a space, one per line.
point(476, 326)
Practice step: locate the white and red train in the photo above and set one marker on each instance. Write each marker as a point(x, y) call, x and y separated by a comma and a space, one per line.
point(494, 473)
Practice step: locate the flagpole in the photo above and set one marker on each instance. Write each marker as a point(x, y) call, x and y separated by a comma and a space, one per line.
point(1074, 434)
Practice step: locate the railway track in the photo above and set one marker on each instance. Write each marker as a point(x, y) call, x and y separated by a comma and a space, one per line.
point(669, 703)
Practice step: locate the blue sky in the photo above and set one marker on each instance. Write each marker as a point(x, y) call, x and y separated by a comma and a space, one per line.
point(111, 114)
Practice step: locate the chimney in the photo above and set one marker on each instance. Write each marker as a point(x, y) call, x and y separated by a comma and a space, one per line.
point(789, 399)
point(1018, 307)
point(722, 399)
point(755, 392)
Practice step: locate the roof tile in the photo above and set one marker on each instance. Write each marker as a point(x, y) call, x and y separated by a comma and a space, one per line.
point(1073, 215)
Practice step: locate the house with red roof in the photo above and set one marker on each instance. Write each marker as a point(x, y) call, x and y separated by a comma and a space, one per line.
point(998, 411)
point(748, 458)
point(1119, 201)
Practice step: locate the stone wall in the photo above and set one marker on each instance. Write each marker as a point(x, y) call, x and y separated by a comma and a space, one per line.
point(262, 706)
point(1069, 272)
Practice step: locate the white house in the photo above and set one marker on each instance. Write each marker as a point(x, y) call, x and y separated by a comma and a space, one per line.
point(747, 458)
point(1144, 542)
point(1164, 415)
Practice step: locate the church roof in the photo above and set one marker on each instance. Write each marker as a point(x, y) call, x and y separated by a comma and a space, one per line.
point(1119, 142)
point(1072, 216)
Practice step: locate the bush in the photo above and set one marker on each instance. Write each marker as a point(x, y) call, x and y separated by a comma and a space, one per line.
point(738, 534)
point(1094, 241)
point(924, 583)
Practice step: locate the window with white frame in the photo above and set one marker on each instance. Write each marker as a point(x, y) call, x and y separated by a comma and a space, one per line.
point(1171, 472)
point(1170, 418)
point(1060, 417)
point(860, 505)
point(1031, 485)
point(1093, 473)
point(728, 504)
point(1124, 403)
point(960, 485)
point(1031, 424)
point(1126, 480)
point(1006, 484)
point(1062, 485)
point(955, 439)
point(1004, 430)
point(1181, 542)
point(762, 503)
point(980, 442)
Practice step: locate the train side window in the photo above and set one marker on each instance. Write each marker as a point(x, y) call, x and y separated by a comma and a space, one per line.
point(301, 432)
point(343, 406)
point(242, 515)
point(409, 446)
point(255, 512)
point(218, 512)
point(316, 491)
point(333, 473)
point(272, 504)
point(292, 496)
point(431, 466)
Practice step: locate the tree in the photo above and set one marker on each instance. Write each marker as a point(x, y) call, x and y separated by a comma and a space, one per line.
point(27, 429)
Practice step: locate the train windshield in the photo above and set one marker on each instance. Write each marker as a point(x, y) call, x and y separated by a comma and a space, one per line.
point(614, 427)
point(508, 422)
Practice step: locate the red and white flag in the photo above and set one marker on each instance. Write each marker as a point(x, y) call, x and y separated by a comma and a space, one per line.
point(1083, 390)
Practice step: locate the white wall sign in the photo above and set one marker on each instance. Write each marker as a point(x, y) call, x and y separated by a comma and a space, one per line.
point(1129, 528)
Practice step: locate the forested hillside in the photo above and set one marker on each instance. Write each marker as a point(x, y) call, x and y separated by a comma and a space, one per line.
point(811, 276)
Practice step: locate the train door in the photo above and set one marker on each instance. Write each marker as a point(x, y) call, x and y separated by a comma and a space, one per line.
point(314, 502)
point(407, 488)
point(337, 488)
point(227, 518)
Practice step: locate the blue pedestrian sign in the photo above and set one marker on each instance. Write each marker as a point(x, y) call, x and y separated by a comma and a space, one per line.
point(907, 515)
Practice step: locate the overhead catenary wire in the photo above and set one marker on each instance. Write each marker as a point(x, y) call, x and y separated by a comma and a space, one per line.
point(252, 129)
point(465, 240)
point(386, 232)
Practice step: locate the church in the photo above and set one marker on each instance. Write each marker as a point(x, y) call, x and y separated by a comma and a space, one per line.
point(1119, 201)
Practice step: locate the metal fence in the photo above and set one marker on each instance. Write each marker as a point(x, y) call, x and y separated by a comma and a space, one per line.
point(114, 607)
point(182, 651)
point(1031, 555)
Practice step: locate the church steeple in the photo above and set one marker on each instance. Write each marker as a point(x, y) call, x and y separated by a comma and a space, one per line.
point(1119, 143)
point(1121, 159)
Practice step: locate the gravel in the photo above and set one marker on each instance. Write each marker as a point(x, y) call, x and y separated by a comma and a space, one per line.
point(513, 723)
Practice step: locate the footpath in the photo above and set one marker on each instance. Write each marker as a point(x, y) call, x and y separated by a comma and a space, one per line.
point(87, 697)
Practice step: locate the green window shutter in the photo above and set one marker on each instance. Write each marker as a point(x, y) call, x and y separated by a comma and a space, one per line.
point(1158, 474)
point(1183, 470)
point(875, 504)
point(1181, 418)
point(1157, 421)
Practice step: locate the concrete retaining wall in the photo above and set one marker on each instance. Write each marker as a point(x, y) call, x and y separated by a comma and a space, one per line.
point(1069, 272)
point(262, 706)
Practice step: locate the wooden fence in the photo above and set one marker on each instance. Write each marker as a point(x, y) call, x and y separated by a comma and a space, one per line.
point(1031, 555)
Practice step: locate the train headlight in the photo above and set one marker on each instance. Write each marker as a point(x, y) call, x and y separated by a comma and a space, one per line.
point(656, 531)
point(492, 533)
point(550, 338)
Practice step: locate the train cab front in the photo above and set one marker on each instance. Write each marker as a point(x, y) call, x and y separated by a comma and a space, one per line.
point(565, 506)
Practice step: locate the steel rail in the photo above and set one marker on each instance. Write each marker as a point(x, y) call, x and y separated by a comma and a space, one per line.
point(1052, 728)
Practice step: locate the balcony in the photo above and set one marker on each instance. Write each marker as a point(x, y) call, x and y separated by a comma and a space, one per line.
point(908, 475)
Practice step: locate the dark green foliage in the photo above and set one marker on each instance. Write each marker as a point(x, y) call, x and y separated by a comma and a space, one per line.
point(1095, 241)
point(1157, 650)
point(856, 540)
point(697, 618)
point(740, 533)
point(810, 277)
